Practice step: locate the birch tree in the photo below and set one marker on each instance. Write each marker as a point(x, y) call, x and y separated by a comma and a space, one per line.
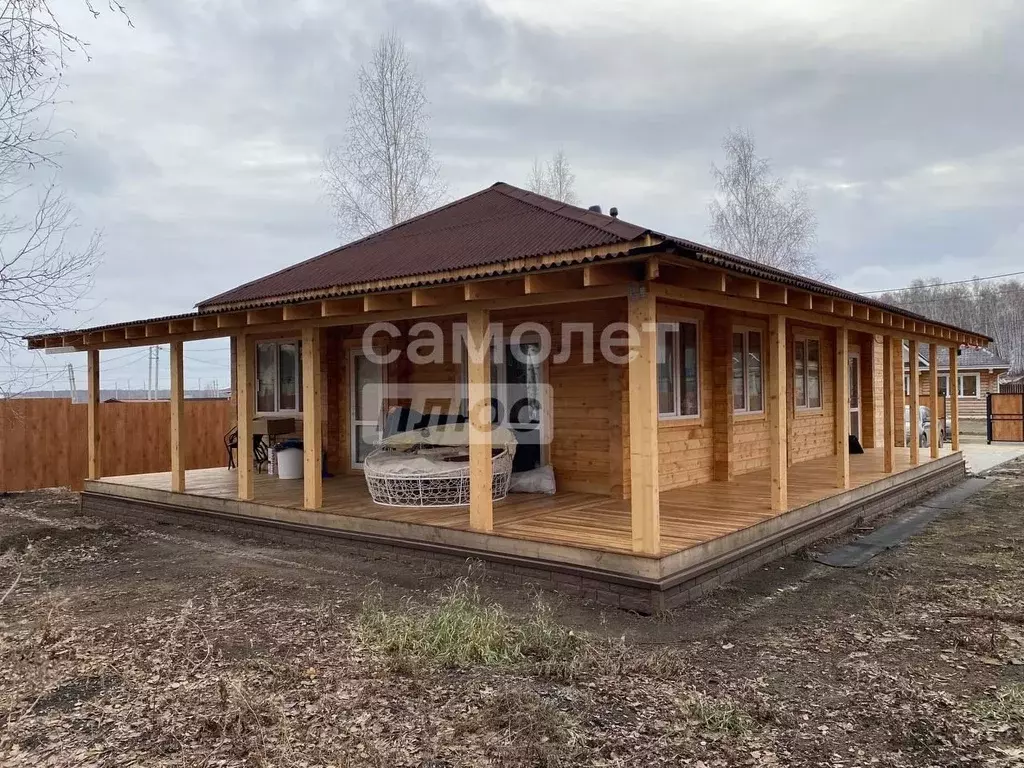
point(42, 273)
point(755, 215)
point(554, 179)
point(385, 171)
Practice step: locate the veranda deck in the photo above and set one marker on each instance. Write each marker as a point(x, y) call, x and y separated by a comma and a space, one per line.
point(689, 516)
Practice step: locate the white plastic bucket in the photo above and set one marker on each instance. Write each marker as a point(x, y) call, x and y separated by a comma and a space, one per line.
point(289, 464)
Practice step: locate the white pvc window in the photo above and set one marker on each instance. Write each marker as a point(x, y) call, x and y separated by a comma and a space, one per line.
point(747, 370)
point(807, 373)
point(969, 385)
point(679, 369)
point(367, 384)
point(279, 376)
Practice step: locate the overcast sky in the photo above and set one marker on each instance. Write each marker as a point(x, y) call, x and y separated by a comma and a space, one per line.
point(194, 139)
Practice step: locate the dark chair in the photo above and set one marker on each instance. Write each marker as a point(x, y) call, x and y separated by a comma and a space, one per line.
point(260, 456)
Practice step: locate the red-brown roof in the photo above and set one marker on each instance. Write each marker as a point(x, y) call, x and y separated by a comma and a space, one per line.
point(494, 226)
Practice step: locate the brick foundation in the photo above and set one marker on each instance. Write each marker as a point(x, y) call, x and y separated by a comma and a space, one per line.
point(628, 593)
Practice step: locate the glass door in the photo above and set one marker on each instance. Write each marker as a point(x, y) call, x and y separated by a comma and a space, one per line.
point(517, 386)
point(855, 394)
point(366, 394)
point(520, 396)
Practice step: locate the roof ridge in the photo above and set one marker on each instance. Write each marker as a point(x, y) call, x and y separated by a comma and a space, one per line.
point(504, 186)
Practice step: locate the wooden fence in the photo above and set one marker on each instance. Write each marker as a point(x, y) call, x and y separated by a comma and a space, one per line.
point(1006, 417)
point(43, 442)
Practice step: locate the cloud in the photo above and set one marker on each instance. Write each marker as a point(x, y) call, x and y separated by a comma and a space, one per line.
point(194, 138)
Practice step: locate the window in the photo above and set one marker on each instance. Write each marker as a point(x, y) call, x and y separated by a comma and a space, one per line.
point(747, 390)
point(943, 385)
point(807, 373)
point(906, 384)
point(678, 369)
point(519, 394)
point(969, 386)
point(278, 376)
point(368, 389)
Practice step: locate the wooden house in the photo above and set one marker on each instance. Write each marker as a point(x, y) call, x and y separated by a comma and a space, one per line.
point(696, 407)
point(978, 374)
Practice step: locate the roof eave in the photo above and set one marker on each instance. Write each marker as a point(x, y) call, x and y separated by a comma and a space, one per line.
point(750, 269)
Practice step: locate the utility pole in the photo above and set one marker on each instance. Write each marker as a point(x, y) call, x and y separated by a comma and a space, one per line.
point(71, 383)
point(149, 374)
point(156, 375)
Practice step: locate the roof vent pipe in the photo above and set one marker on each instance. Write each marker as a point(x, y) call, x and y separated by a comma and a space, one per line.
point(614, 212)
point(594, 208)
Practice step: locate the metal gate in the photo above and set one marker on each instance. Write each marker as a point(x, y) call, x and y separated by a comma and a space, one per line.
point(1005, 414)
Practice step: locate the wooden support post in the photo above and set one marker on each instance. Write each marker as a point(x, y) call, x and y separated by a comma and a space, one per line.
point(915, 411)
point(842, 405)
point(478, 354)
point(888, 412)
point(643, 426)
point(94, 414)
point(245, 372)
point(933, 383)
point(722, 417)
point(312, 429)
point(177, 417)
point(870, 399)
point(953, 393)
point(777, 404)
point(898, 396)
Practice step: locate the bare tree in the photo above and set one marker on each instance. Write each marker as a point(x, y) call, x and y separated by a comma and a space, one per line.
point(754, 215)
point(41, 272)
point(995, 308)
point(554, 179)
point(385, 173)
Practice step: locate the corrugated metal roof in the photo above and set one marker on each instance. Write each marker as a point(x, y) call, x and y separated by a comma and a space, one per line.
point(486, 233)
point(717, 258)
point(970, 358)
point(498, 224)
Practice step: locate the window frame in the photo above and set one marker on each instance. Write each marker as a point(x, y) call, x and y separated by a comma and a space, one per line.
point(746, 330)
point(943, 387)
point(278, 411)
point(801, 339)
point(960, 385)
point(500, 384)
point(354, 421)
point(674, 321)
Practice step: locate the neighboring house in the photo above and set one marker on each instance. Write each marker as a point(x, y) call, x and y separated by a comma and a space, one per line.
point(978, 373)
point(695, 407)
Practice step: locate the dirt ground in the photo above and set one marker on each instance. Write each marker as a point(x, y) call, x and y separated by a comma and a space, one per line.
point(123, 645)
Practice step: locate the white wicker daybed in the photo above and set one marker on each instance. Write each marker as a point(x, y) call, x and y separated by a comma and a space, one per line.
point(430, 467)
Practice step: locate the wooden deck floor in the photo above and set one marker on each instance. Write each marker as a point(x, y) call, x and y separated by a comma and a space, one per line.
point(689, 516)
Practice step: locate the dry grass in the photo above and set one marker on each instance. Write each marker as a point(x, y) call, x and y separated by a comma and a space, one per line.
point(462, 630)
point(175, 648)
point(1003, 712)
point(715, 718)
point(527, 727)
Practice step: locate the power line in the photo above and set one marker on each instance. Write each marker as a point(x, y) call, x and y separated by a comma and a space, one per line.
point(940, 285)
point(911, 303)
